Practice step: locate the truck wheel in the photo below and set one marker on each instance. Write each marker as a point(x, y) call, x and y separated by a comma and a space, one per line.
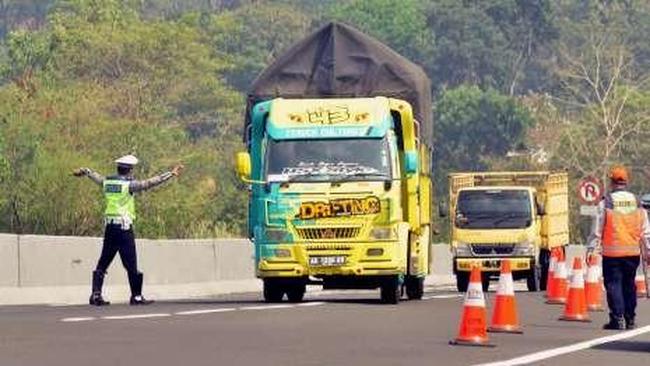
point(272, 291)
point(544, 258)
point(296, 292)
point(390, 291)
point(533, 279)
point(414, 288)
point(462, 281)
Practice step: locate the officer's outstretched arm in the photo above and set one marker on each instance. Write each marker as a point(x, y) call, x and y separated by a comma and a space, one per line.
point(143, 185)
point(87, 172)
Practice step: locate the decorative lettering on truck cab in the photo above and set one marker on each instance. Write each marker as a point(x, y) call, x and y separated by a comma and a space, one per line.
point(330, 115)
point(339, 207)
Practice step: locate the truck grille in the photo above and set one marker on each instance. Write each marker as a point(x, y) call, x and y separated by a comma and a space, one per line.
point(328, 233)
point(492, 249)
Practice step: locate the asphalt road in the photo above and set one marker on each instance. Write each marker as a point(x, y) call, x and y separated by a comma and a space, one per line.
point(329, 329)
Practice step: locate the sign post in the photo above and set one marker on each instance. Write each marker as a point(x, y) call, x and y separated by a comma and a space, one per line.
point(590, 192)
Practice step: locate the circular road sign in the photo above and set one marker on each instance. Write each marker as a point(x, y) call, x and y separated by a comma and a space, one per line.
point(590, 190)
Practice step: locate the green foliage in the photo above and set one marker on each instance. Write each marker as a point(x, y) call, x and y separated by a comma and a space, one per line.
point(400, 24)
point(474, 125)
point(254, 35)
point(85, 81)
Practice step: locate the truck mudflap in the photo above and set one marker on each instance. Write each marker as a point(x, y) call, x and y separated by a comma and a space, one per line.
point(492, 264)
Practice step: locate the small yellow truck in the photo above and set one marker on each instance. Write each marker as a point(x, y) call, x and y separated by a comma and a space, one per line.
point(520, 216)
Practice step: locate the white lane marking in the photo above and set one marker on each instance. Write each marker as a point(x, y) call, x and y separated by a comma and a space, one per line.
point(78, 319)
point(136, 316)
point(314, 303)
point(194, 312)
point(266, 307)
point(205, 311)
point(538, 356)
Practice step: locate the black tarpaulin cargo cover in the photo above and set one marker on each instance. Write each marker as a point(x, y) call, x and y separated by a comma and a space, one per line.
point(341, 61)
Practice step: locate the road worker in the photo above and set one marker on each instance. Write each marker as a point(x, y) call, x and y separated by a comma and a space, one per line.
point(119, 217)
point(618, 231)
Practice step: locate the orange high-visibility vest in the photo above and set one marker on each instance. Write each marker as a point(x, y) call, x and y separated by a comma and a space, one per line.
point(623, 225)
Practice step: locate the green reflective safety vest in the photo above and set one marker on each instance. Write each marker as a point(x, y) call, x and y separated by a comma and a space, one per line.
point(120, 202)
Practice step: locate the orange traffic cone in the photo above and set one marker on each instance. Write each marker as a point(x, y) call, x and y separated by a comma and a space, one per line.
point(576, 305)
point(641, 290)
point(559, 290)
point(473, 324)
point(593, 286)
point(550, 280)
point(504, 317)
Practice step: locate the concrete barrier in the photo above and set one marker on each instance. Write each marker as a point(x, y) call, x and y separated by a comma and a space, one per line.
point(57, 269)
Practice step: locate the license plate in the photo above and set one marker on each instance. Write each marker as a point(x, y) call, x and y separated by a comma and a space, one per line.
point(327, 260)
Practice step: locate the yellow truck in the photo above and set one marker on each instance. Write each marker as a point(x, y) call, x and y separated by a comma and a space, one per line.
point(339, 141)
point(520, 216)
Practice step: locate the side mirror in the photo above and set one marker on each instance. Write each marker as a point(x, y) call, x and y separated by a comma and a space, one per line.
point(541, 210)
point(411, 162)
point(443, 209)
point(243, 165)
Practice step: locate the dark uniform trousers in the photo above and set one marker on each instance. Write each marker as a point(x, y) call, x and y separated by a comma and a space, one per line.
point(619, 274)
point(121, 241)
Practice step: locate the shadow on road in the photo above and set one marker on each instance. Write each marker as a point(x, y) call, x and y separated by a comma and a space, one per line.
point(625, 346)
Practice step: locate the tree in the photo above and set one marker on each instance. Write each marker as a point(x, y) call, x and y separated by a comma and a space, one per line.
point(401, 25)
point(473, 126)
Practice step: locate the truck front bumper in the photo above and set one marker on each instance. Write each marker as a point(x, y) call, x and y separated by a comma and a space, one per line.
point(493, 264)
point(360, 259)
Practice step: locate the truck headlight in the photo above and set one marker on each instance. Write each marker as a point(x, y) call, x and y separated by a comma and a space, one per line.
point(276, 235)
point(462, 250)
point(382, 233)
point(525, 248)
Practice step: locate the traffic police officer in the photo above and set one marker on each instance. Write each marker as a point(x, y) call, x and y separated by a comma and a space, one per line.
point(618, 230)
point(119, 217)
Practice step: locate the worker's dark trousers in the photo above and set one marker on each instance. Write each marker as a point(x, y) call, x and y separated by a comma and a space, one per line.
point(619, 276)
point(122, 241)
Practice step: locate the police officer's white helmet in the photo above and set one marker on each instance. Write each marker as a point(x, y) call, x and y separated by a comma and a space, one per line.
point(127, 160)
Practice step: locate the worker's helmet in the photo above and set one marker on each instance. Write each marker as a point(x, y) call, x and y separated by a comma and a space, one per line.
point(618, 174)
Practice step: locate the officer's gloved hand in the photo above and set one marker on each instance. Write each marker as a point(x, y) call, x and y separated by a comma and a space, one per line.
point(79, 172)
point(177, 169)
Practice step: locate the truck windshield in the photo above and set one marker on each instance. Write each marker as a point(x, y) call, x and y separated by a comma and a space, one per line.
point(493, 209)
point(328, 160)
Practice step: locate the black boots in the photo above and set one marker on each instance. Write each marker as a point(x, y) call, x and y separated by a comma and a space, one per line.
point(96, 298)
point(629, 323)
point(135, 281)
point(615, 324)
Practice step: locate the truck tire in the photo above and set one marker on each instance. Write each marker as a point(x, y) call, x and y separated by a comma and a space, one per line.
point(296, 292)
point(390, 291)
point(414, 288)
point(272, 291)
point(533, 279)
point(544, 261)
point(462, 281)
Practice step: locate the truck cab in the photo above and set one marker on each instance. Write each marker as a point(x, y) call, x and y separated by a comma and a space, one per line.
point(340, 196)
point(514, 216)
